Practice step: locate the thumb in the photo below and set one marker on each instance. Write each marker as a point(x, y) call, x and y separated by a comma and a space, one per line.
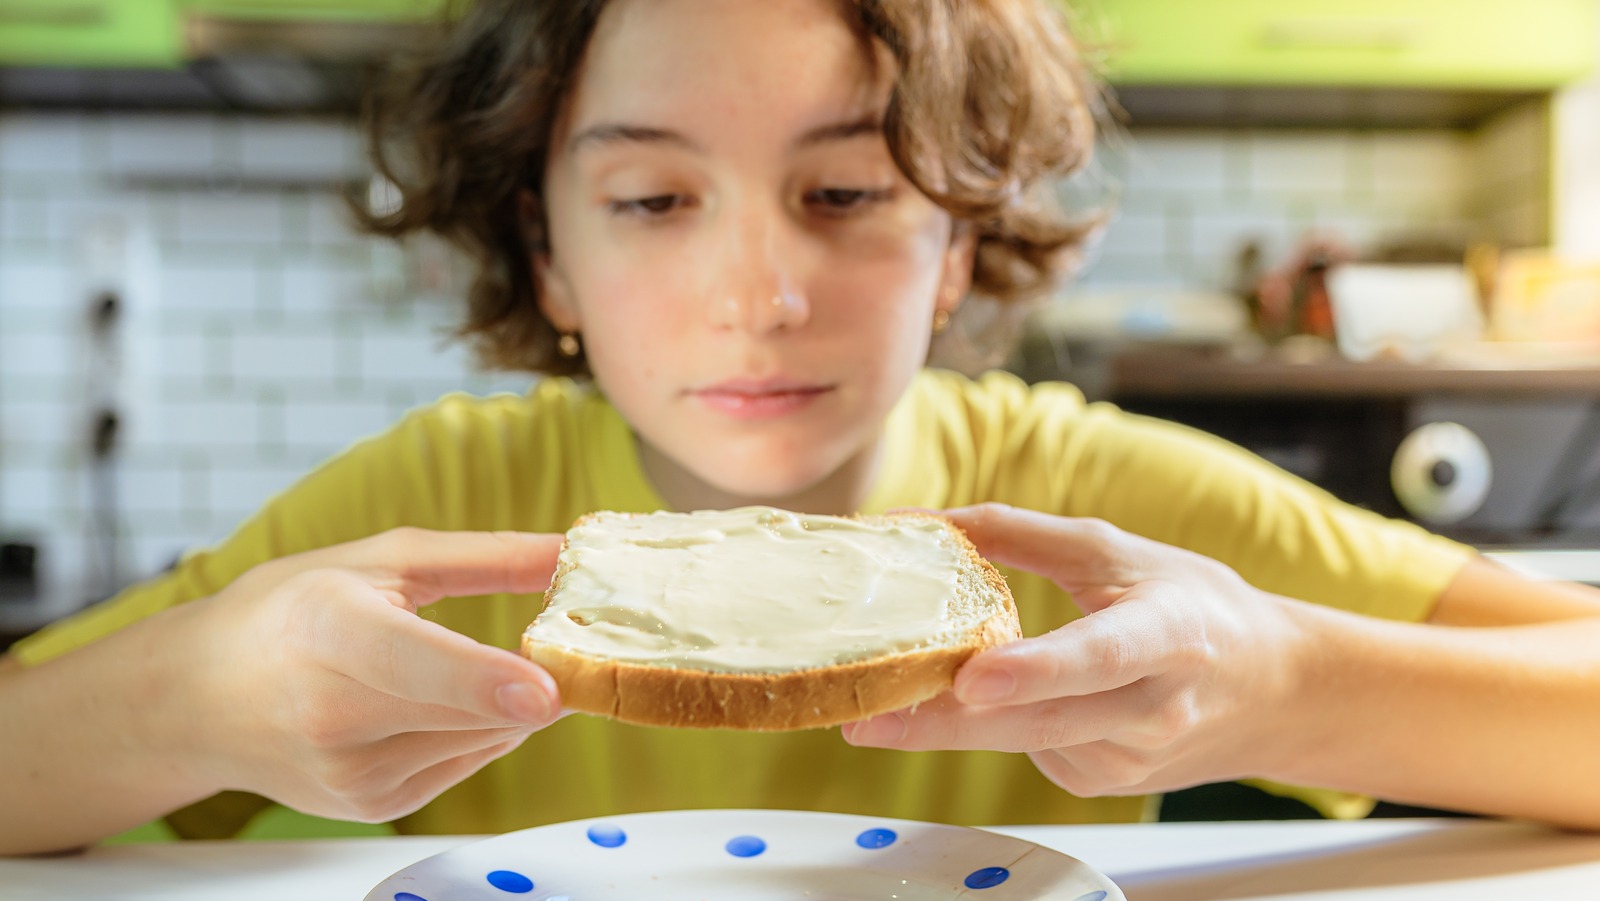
point(427, 565)
point(1080, 555)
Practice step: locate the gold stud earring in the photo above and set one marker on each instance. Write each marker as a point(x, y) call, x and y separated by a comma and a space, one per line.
point(941, 321)
point(568, 345)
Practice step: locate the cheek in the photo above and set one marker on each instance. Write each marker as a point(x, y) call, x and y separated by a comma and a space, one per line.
point(633, 320)
point(891, 280)
point(624, 284)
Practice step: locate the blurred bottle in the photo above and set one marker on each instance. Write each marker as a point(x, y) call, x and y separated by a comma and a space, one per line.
point(1292, 298)
point(1312, 311)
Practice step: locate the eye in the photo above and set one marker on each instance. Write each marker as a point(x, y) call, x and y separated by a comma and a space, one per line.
point(650, 207)
point(843, 201)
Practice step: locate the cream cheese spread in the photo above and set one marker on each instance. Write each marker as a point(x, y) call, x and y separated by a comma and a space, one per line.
point(751, 589)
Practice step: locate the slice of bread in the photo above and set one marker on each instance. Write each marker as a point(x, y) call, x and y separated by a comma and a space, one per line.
point(764, 619)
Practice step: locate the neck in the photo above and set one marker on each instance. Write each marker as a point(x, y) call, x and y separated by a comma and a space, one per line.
point(840, 493)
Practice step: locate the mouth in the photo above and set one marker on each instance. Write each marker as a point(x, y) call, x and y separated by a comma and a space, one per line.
point(760, 398)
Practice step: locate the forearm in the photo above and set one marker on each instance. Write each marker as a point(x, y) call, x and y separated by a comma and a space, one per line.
point(1503, 721)
point(94, 742)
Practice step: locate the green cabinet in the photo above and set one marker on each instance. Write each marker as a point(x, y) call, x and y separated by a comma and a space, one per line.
point(89, 33)
point(314, 10)
point(150, 33)
point(1480, 44)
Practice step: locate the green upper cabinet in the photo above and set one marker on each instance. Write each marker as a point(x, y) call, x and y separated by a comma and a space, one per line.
point(150, 33)
point(89, 33)
point(313, 10)
point(1487, 44)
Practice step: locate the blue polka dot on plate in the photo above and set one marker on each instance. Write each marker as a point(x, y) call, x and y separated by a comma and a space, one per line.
point(511, 881)
point(745, 846)
point(607, 836)
point(988, 877)
point(407, 896)
point(876, 838)
point(1092, 896)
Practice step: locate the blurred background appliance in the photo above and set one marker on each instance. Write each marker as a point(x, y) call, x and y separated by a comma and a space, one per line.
point(1501, 459)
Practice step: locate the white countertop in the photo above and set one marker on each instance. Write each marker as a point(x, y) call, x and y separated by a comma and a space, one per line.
point(1374, 860)
point(1570, 564)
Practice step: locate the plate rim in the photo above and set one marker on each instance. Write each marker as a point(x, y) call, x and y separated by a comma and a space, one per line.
point(1114, 893)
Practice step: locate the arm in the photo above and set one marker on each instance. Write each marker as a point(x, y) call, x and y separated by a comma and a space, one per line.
point(1497, 719)
point(309, 680)
point(93, 725)
point(1485, 593)
point(1182, 673)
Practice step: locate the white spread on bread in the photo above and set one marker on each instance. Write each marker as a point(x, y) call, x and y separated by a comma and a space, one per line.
point(751, 589)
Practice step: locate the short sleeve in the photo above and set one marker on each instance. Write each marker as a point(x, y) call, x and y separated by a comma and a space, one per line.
point(1184, 487)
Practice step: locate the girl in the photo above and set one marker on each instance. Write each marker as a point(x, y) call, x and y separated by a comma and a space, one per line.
point(746, 221)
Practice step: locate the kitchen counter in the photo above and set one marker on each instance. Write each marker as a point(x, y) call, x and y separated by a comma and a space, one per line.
point(1568, 564)
point(1172, 372)
point(1392, 860)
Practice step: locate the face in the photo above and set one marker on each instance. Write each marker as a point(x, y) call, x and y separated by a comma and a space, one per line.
point(754, 280)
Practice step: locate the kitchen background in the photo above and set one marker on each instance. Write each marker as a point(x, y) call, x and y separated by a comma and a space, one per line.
point(188, 321)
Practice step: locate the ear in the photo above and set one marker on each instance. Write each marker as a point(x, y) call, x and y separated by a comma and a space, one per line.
point(555, 294)
point(956, 278)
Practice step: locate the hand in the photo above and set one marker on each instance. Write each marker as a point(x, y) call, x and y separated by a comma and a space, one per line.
point(1177, 674)
point(317, 685)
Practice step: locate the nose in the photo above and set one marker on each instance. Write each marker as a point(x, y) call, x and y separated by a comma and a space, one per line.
point(755, 289)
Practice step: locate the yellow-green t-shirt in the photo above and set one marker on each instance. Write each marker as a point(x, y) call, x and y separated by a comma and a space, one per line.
point(537, 462)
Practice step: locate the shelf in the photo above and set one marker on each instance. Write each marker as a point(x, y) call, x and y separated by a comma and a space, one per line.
point(1198, 374)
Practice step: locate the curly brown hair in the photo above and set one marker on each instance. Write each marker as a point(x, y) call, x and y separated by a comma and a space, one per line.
point(462, 129)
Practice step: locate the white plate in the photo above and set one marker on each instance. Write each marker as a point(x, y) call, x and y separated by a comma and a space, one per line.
point(748, 855)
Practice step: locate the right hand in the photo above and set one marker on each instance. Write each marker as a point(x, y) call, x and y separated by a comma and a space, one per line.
point(319, 686)
point(1179, 673)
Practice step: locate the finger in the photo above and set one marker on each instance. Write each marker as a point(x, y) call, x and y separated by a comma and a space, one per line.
point(355, 632)
point(426, 565)
point(946, 724)
point(394, 715)
point(410, 753)
point(1074, 770)
point(1060, 769)
point(1073, 553)
point(341, 712)
point(1138, 636)
point(1114, 768)
point(455, 564)
point(433, 781)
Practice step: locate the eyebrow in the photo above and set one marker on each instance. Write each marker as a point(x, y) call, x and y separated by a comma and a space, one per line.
point(870, 124)
point(617, 133)
point(621, 133)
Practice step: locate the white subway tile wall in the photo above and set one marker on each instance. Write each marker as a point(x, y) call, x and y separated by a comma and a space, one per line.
point(1576, 177)
point(261, 334)
point(1510, 181)
point(161, 146)
point(1190, 199)
point(257, 335)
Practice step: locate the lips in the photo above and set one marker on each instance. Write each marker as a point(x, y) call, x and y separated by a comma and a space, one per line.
point(760, 398)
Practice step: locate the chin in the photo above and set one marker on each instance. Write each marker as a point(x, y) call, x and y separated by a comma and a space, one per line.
point(771, 484)
point(781, 464)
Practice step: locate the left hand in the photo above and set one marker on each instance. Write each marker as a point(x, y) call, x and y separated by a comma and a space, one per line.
point(1179, 673)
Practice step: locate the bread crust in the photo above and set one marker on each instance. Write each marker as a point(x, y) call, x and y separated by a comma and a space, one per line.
point(680, 697)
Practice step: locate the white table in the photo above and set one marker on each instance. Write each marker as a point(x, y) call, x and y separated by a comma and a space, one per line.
point(1413, 860)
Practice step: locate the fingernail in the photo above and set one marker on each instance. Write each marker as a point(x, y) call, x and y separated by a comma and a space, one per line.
point(524, 702)
point(880, 730)
point(990, 688)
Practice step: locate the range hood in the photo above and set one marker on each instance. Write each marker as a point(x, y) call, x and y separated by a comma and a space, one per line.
point(1307, 106)
point(321, 65)
point(231, 64)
